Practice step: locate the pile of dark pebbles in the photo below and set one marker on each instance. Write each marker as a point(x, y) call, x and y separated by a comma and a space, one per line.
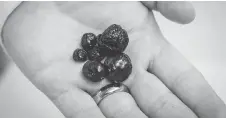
point(104, 55)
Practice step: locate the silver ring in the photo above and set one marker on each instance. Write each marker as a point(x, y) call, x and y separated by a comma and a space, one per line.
point(108, 90)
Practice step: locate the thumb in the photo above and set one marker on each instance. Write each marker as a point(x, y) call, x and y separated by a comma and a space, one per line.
point(178, 11)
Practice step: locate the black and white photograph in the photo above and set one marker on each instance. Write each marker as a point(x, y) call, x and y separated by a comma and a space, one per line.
point(112, 59)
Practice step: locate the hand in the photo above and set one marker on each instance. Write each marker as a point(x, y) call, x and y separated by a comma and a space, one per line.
point(41, 37)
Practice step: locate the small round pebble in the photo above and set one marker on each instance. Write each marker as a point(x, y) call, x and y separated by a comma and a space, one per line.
point(119, 67)
point(89, 40)
point(80, 55)
point(93, 71)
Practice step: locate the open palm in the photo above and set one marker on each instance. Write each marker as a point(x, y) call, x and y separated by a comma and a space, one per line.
point(41, 38)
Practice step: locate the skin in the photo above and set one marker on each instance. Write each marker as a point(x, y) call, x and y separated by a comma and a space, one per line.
point(163, 84)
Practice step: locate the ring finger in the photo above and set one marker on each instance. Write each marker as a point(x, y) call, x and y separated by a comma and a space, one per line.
point(116, 105)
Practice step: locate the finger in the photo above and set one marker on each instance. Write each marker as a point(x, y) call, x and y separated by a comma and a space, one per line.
point(187, 83)
point(156, 100)
point(120, 105)
point(74, 103)
point(117, 105)
point(178, 11)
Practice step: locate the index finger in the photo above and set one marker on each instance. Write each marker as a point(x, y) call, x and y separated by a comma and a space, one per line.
point(184, 80)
